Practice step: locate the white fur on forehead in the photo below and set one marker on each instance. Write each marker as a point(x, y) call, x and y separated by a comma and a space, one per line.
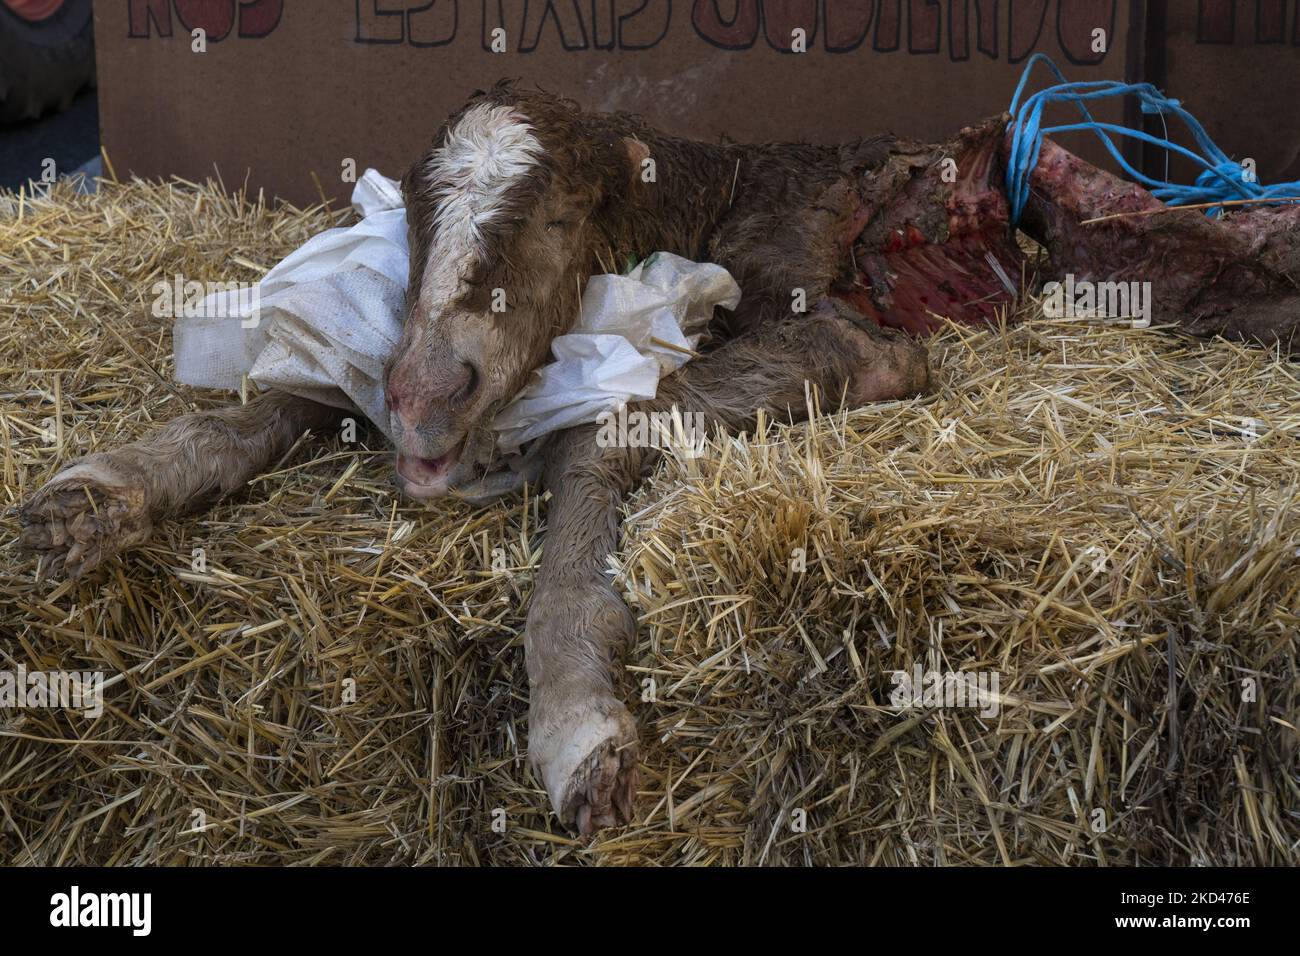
point(468, 178)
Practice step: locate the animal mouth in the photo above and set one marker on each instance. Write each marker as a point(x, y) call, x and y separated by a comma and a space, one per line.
point(429, 477)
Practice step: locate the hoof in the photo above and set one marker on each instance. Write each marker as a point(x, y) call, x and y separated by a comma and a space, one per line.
point(84, 515)
point(588, 764)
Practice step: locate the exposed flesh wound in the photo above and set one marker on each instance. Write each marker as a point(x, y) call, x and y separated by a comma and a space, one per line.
point(930, 240)
point(921, 248)
point(1237, 276)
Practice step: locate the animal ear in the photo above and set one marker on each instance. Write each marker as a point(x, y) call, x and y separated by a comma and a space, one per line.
point(637, 153)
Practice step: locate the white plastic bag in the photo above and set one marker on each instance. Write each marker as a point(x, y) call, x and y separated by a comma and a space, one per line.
point(631, 330)
point(323, 322)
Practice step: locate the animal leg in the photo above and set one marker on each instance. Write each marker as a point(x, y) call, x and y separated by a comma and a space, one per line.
point(581, 739)
point(108, 501)
point(1237, 276)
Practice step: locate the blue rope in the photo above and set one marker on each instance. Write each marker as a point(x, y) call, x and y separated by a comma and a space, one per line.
point(1221, 179)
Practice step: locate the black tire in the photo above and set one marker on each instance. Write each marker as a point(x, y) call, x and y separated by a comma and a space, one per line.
point(43, 65)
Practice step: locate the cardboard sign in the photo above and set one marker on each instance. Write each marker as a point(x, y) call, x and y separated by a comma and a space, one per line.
point(297, 97)
point(1235, 65)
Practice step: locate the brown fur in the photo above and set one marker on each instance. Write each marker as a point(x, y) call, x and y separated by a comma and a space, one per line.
point(772, 214)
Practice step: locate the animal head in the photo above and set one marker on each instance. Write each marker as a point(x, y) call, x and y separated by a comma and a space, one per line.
point(510, 211)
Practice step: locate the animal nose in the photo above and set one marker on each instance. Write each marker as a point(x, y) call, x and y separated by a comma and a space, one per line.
point(451, 392)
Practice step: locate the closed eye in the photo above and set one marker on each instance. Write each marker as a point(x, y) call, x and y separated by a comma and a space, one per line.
point(557, 224)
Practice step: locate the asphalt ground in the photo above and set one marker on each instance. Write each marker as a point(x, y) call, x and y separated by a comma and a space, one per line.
point(70, 138)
